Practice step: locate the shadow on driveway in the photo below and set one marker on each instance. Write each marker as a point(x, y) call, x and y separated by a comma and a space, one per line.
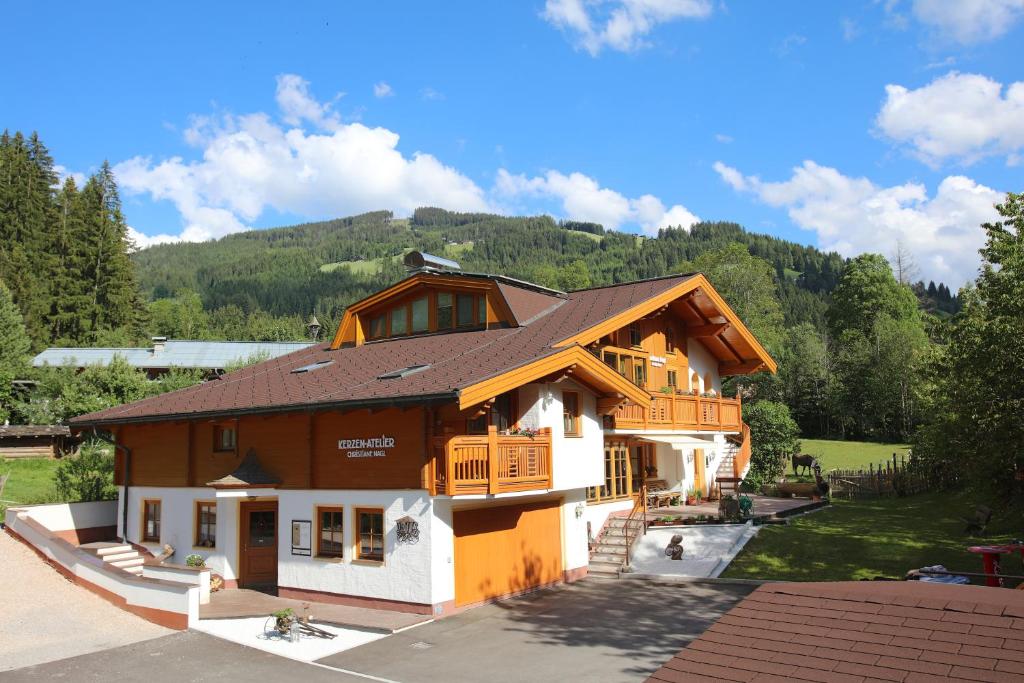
point(592, 630)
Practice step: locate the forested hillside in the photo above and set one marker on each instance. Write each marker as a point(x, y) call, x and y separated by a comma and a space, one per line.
point(323, 267)
point(856, 343)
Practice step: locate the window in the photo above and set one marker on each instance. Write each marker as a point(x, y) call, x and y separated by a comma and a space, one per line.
point(634, 335)
point(223, 438)
point(501, 415)
point(617, 479)
point(670, 340)
point(481, 313)
point(206, 524)
point(398, 321)
point(444, 311)
point(571, 412)
point(464, 310)
point(673, 380)
point(370, 545)
point(329, 541)
point(420, 315)
point(639, 372)
point(611, 360)
point(151, 521)
point(378, 327)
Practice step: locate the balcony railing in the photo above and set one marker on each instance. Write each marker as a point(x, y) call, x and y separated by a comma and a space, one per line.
point(491, 463)
point(681, 412)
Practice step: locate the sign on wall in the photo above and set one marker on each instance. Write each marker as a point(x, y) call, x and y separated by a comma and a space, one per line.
point(373, 447)
point(301, 537)
point(658, 361)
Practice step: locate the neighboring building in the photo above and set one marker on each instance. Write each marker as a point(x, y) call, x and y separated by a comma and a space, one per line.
point(860, 632)
point(36, 441)
point(210, 356)
point(454, 443)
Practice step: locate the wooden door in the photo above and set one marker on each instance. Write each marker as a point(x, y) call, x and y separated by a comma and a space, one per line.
point(506, 549)
point(258, 544)
point(699, 482)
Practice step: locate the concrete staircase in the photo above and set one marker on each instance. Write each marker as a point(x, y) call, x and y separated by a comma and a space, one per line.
point(724, 470)
point(609, 554)
point(120, 555)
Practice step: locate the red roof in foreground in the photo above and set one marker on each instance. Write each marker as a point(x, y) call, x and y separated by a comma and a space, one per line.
point(854, 632)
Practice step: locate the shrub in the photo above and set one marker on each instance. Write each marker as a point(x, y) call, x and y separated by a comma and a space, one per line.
point(87, 476)
point(195, 560)
point(773, 436)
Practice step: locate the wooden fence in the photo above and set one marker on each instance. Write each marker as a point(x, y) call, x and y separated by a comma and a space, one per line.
point(901, 476)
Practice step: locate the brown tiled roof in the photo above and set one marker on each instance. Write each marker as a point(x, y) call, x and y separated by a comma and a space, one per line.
point(456, 360)
point(860, 632)
point(22, 431)
point(249, 473)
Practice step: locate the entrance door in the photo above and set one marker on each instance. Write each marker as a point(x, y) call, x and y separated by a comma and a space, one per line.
point(258, 544)
point(698, 471)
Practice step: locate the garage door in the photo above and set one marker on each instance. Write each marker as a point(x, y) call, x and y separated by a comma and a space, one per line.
point(502, 550)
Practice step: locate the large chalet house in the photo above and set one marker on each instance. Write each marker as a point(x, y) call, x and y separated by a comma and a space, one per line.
point(462, 438)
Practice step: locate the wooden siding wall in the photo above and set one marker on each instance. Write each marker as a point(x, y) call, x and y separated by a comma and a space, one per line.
point(300, 449)
point(652, 332)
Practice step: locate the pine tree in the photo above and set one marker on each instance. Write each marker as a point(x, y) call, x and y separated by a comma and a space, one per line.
point(107, 271)
point(14, 348)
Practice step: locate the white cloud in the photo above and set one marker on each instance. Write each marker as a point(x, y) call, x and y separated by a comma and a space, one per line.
point(723, 138)
point(961, 116)
point(250, 164)
point(382, 89)
point(429, 94)
point(790, 43)
point(621, 25)
point(320, 166)
point(582, 198)
point(853, 215)
point(969, 21)
point(298, 105)
point(63, 173)
point(850, 29)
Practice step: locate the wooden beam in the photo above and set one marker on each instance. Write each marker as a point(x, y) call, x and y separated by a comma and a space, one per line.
point(701, 331)
point(740, 368)
point(606, 405)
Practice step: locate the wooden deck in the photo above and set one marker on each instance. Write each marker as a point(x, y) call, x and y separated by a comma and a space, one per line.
point(239, 603)
point(765, 507)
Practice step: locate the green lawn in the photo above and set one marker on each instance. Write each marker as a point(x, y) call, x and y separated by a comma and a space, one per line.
point(849, 454)
point(31, 481)
point(875, 537)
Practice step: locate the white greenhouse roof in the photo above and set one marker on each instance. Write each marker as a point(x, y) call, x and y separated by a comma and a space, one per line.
point(176, 353)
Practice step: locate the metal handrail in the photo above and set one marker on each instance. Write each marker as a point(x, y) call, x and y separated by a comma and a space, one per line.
point(639, 507)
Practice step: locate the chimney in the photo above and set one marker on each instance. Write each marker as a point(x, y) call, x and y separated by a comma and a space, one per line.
point(159, 344)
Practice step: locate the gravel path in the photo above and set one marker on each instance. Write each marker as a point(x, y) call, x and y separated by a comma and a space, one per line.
point(46, 617)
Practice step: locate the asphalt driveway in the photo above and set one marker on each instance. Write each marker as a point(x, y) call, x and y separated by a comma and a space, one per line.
point(592, 630)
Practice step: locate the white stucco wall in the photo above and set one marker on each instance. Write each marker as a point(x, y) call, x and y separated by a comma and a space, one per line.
point(575, 547)
point(577, 461)
point(702, 362)
point(177, 525)
point(405, 574)
point(596, 514)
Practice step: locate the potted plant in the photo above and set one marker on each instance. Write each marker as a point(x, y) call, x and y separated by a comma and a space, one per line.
point(693, 496)
point(195, 560)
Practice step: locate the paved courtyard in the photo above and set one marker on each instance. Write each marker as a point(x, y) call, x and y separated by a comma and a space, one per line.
point(594, 630)
point(601, 631)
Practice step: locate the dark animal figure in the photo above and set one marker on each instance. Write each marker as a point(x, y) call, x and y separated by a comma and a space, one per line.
point(823, 487)
point(675, 548)
point(803, 460)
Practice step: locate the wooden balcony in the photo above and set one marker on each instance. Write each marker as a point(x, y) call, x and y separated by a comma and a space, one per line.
point(680, 412)
point(491, 463)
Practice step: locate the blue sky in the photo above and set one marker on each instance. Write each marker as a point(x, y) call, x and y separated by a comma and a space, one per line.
point(849, 125)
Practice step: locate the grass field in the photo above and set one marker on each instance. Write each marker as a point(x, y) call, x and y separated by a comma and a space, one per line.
point(876, 537)
point(30, 481)
point(850, 454)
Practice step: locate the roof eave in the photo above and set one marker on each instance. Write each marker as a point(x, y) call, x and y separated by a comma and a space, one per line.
point(84, 422)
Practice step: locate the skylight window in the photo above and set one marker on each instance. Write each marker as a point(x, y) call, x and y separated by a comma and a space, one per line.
point(404, 372)
point(312, 366)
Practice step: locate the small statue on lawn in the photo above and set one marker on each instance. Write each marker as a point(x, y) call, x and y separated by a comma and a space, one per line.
point(674, 550)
